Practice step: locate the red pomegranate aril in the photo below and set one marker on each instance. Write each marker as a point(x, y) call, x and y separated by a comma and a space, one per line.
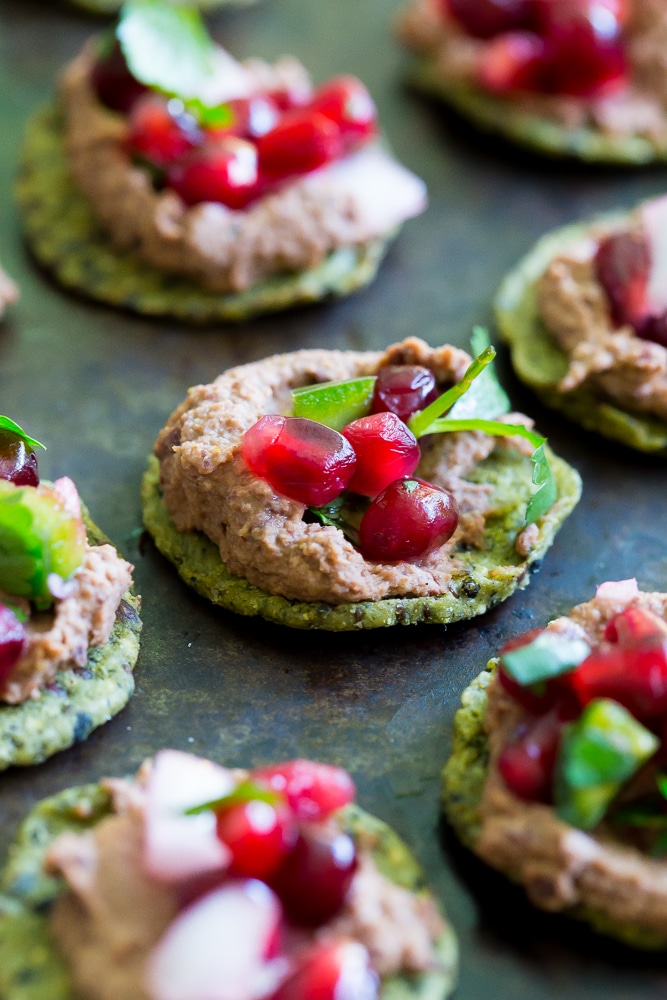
point(258, 834)
point(513, 61)
point(403, 390)
point(112, 81)
point(622, 263)
point(585, 36)
point(161, 131)
point(315, 877)
point(634, 676)
point(485, 18)
point(18, 464)
point(302, 141)
point(12, 641)
point(653, 328)
point(340, 971)
point(313, 790)
point(634, 626)
point(346, 101)
point(224, 171)
point(386, 450)
point(526, 764)
point(300, 458)
point(250, 117)
point(406, 521)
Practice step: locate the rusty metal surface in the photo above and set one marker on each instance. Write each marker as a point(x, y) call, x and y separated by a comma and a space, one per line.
point(96, 385)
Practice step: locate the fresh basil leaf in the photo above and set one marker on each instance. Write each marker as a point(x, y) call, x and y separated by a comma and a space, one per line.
point(166, 46)
point(245, 791)
point(485, 397)
point(423, 423)
point(548, 655)
point(9, 425)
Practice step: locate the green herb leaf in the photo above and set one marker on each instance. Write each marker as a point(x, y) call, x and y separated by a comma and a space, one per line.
point(341, 515)
point(245, 791)
point(221, 116)
point(661, 781)
point(546, 493)
point(548, 655)
point(485, 398)
point(423, 423)
point(166, 46)
point(9, 425)
point(335, 404)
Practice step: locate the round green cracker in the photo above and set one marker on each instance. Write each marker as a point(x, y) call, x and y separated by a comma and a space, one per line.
point(520, 125)
point(32, 969)
point(66, 239)
point(79, 699)
point(462, 789)
point(489, 577)
point(541, 363)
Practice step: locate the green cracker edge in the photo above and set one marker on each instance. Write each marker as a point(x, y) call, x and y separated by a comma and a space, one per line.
point(491, 575)
point(67, 240)
point(32, 969)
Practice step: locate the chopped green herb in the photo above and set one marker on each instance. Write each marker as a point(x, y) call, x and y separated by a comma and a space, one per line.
point(335, 404)
point(485, 398)
point(221, 116)
point(9, 425)
point(422, 423)
point(245, 791)
point(661, 781)
point(344, 515)
point(548, 655)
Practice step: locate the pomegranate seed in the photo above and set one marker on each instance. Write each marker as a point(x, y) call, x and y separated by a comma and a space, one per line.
point(339, 971)
point(289, 100)
point(511, 62)
point(386, 450)
point(250, 117)
point(112, 81)
point(485, 18)
point(313, 790)
point(300, 458)
point(653, 328)
point(622, 263)
point(314, 879)
point(634, 676)
point(17, 463)
point(585, 37)
point(348, 104)
point(161, 131)
point(403, 390)
point(223, 172)
point(406, 521)
point(526, 765)
point(258, 834)
point(634, 626)
point(12, 641)
point(302, 141)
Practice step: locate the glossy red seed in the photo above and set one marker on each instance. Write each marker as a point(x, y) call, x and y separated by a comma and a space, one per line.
point(112, 81)
point(587, 53)
point(12, 641)
point(653, 328)
point(315, 877)
point(623, 262)
point(485, 18)
point(403, 390)
point(302, 141)
point(347, 102)
point(513, 61)
point(634, 676)
point(18, 464)
point(406, 521)
point(634, 626)
point(526, 764)
point(313, 790)
point(300, 458)
point(224, 171)
point(340, 971)
point(386, 450)
point(161, 131)
point(258, 834)
point(249, 117)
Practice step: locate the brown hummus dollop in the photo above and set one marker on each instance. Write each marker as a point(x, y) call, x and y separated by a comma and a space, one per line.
point(639, 108)
point(562, 867)
point(262, 535)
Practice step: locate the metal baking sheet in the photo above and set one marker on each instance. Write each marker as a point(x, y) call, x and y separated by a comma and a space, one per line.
point(96, 385)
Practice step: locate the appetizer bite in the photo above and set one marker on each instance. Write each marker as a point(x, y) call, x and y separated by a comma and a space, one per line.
point(234, 885)
point(172, 179)
point(585, 316)
point(557, 777)
point(582, 78)
point(8, 291)
point(346, 490)
point(69, 627)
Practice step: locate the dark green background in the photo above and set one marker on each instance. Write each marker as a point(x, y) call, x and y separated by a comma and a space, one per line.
point(96, 386)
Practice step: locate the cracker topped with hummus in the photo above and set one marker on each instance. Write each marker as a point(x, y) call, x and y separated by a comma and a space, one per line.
point(193, 880)
point(69, 626)
point(579, 78)
point(346, 490)
point(585, 316)
point(173, 180)
point(557, 776)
